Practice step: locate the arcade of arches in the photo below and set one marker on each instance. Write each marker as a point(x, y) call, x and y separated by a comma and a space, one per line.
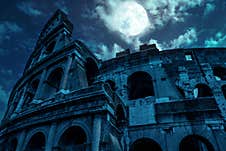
point(75, 138)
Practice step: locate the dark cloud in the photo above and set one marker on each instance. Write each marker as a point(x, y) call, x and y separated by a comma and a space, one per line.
point(29, 8)
point(7, 28)
point(4, 96)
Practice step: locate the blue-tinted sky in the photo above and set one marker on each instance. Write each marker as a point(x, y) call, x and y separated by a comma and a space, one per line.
point(171, 24)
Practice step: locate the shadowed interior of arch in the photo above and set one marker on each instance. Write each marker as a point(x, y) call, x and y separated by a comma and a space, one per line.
point(36, 143)
point(202, 90)
point(52, 84)
point(140, 85)
point(195, 143)
point(220, 72)
point(74, 138)
point(91, 70)
point(145, 144)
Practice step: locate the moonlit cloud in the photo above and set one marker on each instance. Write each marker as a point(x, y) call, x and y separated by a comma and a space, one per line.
point(117, 17)
point(219, 40)
point(161, 11)
point(209, 8)
point(184, 40)
point(104, 52)
point(28, 8)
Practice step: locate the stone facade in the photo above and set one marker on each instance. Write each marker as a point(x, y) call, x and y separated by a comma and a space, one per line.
point(67, 99)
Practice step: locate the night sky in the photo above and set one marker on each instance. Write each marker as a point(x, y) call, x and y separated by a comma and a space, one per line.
point(106, 27)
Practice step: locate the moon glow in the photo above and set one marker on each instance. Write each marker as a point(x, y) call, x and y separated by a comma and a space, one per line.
point(132, 18)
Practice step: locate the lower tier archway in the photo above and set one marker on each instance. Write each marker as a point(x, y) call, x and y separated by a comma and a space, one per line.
point(74, 138)
point(36, 143)
point(145, 144)
point(195, 143)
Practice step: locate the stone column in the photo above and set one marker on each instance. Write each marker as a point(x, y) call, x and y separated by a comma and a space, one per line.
point(21, 139)
point(96, 133)
point(38, 93)
point(50, 139)
point(21, 101)
point(66, 72)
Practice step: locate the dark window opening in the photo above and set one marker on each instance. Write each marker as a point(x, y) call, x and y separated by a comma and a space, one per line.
point(223, 88)
point(50, 47)
point(36, 143)
point(219, 73)
point(73, 138)
point(52, 84)
point(195, 143)
point(91, 70)
point(202, 90)
point(111, 84)
point(140, 85)
point(145, 144)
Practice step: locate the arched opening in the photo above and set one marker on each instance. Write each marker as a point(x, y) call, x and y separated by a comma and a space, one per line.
point(223, 88)
point(91, 70)
point(52, 84)
point(195, 143)
point(36, 143)
point(145, 144)
point(74, 138)
point(32, 90)
point(202, 90)
point(120, 115)
point(140, 85)
point(111, 84)
point(50, 47)
point(219, 72)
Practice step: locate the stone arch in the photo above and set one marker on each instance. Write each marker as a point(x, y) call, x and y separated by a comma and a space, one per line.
point(219, 72)
point(37, 142)
point(112, 84)
point(202, 90)
point(195, 143)
point(91, 69)
point(53, 82)
point(69, 124)
point(145, 144)
point(223, 89)
point(73, 138)
point(140, 85)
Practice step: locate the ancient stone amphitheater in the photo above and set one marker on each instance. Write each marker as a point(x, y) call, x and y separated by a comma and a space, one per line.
point(147, 100)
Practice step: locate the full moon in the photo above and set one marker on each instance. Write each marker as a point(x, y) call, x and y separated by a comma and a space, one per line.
point(132, 18)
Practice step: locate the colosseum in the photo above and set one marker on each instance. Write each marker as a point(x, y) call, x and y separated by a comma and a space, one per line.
point(148, 100)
